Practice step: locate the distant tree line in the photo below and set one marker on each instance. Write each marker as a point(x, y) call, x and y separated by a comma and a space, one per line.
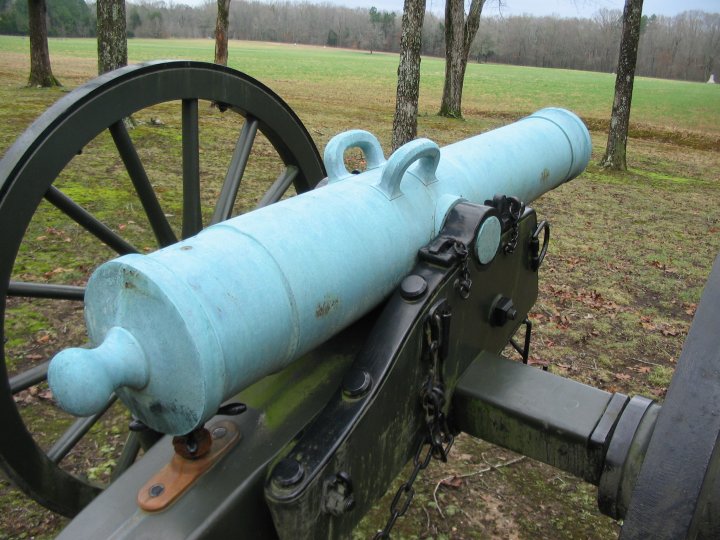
point(686, 46)
point(65, 18)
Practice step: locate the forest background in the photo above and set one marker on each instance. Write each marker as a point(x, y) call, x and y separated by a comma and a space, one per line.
point(685, 46)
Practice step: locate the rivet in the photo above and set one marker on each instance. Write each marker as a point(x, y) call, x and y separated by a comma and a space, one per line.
point(356, 382)
point(413, 287)
point(219, 432)
point(287, 473)
point(156, 490)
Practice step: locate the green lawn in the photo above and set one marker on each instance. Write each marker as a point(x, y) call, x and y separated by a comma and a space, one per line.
point(663, 104)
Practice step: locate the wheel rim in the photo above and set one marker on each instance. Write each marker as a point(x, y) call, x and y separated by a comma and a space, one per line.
point(41, 154)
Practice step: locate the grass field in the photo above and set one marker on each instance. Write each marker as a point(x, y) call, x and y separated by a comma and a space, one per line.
point(628, 259)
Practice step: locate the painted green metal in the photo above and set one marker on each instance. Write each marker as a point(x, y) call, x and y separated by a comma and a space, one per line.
point(32, 164)
point(541, 415)
point(245, 298)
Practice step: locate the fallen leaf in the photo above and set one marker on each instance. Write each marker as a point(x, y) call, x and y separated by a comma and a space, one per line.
point(648, 326)
point(641, 369)
point(535, 361)
point(453, 482)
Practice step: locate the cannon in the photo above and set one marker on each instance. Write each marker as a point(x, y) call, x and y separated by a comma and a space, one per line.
point(283, 365)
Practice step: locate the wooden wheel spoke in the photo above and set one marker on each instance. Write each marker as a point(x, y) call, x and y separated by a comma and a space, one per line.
point(235, 172)
point(88, 222)
point(192, 215)
point(280, 186)
point(30, 377)
point(74, 433)
point(46, 290)
point(135, 169)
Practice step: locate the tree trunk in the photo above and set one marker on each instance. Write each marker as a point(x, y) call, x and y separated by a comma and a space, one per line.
point(614, 157)
point(408, 87)
point(221, 31)
point(111, 35)
point(40, 70)
point(459, 35)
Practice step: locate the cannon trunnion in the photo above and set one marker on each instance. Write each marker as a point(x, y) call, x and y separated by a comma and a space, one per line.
point(302, 354)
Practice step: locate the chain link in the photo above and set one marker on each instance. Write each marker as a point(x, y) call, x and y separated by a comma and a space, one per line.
point(464, 283)
point(438, 438)
point(515, 220)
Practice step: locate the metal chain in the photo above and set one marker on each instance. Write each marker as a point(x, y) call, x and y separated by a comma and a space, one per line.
point(406, 490)
point(515, 220)
point(439, 438)
point(464, 283)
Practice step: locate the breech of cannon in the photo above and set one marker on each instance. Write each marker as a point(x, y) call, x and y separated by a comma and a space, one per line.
point(177, 332)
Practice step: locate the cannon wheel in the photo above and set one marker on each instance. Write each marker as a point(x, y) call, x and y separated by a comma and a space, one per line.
point(676, 493)
point(27, 176)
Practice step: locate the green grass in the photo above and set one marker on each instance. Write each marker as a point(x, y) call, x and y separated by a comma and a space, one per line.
point(488, 87)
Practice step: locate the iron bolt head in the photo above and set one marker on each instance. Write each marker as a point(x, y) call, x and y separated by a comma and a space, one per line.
point(413, 287)
point(502, 311)
point(156, 490)
point(219, 432)
point(287, 473)
point(356, 383)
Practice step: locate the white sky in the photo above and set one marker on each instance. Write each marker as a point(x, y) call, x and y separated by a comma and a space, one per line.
point(563, 8)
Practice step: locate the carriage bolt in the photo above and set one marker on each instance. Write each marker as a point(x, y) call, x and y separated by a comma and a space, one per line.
point(356, 383)
point(413, 287)
point(156, 490)
point(287, 473)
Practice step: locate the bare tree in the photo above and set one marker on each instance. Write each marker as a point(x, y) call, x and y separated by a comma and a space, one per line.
point(221, 32)
point(111, 35)
point(459, 34)
point(40, 70)
point(614, 157)
point(408, 87)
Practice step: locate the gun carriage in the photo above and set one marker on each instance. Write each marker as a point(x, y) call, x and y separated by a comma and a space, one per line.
point(283, 365)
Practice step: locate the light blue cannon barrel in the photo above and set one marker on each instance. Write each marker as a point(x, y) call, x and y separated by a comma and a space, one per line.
point(179, 331)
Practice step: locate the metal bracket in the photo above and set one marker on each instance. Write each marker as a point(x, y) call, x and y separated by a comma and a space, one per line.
point(176, 477)
point(537, 255)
